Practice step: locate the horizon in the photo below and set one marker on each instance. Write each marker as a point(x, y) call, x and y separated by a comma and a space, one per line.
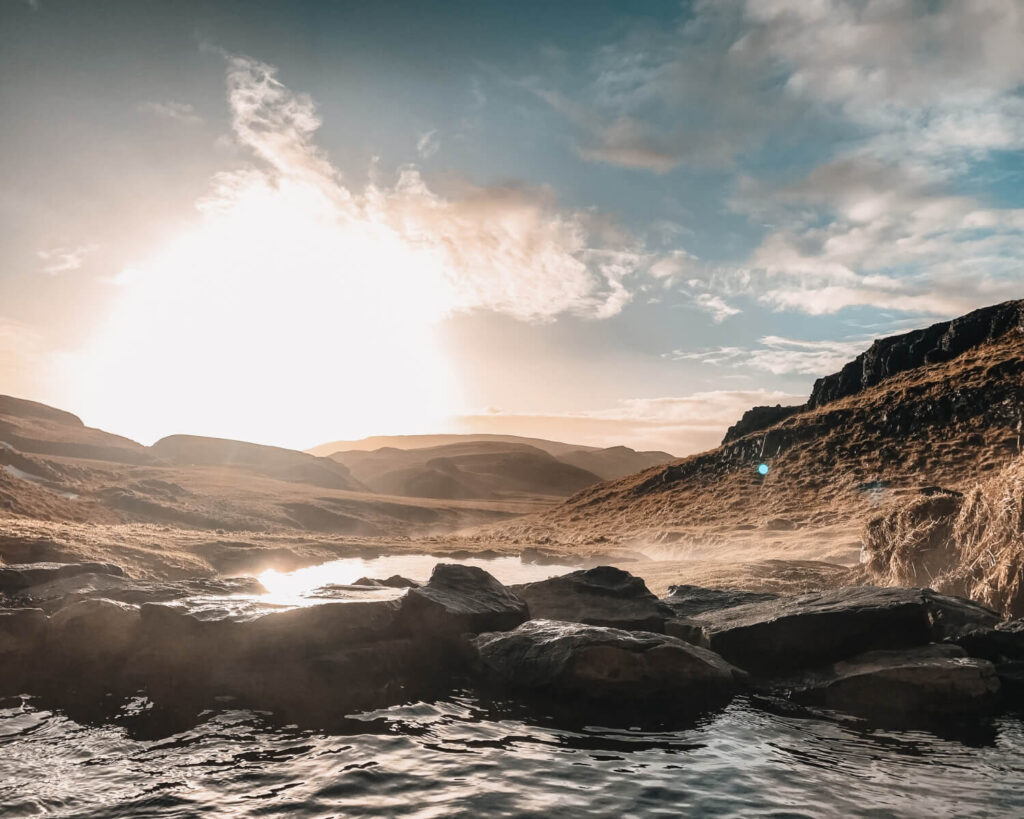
point(310, 222)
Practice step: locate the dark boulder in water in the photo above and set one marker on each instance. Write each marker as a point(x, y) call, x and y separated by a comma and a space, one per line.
point(928, 682)
point(460, 599)
point(593, 663)
point(808, 630)
point(602, 596)
point(21, 632)
point(95, 630)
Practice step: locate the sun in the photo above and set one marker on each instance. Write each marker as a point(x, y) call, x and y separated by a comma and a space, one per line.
point(281, 317)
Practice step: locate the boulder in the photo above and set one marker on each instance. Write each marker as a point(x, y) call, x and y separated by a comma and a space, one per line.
point(460, 599)
point(683, 628)
point(93, 630)
point(602, 596)
point(686, 601)
point(808, 630)
point(1003, 643)
point(594, 663)
point(934, 681)
point(21, 632)
point(18, 577)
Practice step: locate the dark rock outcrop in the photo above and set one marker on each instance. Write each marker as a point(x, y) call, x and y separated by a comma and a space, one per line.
point(758, 418)
point(932, 345)
point(804, 631)
point(591, 663)
point(460, 599)
point(602, 596)
point(934, 681)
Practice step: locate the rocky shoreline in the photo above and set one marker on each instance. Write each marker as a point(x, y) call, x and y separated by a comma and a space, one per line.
point(595, 640)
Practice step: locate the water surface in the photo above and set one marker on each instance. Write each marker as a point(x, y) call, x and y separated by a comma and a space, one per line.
point(464, 757)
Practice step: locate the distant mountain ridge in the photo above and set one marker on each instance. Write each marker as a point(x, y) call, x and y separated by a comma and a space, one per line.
point(433, 465)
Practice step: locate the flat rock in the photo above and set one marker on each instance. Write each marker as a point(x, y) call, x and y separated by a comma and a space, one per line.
point(595, 663)
point(460, 599)
point(686, 601)
point(602, 596)
point(931, 681)
point(808, 630)
point(61, 591)
point(15, 578)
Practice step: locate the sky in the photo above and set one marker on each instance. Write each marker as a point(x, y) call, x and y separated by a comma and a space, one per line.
point(603, 222)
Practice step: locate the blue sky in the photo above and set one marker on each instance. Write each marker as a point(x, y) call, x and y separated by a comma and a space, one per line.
point(613, 222)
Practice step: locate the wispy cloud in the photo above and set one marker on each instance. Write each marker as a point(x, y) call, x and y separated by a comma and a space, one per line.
point(58, 260)
point(178, 111)
point(428, 144)
point(780, 356)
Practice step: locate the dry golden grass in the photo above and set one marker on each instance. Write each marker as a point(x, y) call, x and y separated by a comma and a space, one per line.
point(971, 546)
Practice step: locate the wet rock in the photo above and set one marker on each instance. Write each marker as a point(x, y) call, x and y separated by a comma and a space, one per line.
point(929, 681)
point(1003, 643)
point(396, 581)
point(602, 596)
point(594, 663)
point(460, 599)
point(18, 577)
point(21, 631)
point(687, 601)
point(683, 628)
point(804, 631)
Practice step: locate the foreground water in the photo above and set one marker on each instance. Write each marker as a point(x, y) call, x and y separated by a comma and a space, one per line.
point(462, 757)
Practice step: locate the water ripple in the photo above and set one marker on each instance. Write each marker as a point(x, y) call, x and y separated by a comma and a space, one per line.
point(467, 757)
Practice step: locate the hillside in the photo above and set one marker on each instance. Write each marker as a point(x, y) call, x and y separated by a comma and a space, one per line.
point(937, 406)
point(272, 461)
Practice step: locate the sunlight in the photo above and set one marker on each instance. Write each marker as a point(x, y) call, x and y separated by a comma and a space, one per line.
point(278, 292)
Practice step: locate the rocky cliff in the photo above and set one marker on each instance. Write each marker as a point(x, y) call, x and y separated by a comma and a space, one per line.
point(932, 345)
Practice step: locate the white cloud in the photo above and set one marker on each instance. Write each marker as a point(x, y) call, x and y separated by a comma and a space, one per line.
point(781, 356)
point(64, 259)
point(428, 144)
point(899, 98)
point(858, 231)
point(508, 249)
point(178, 111)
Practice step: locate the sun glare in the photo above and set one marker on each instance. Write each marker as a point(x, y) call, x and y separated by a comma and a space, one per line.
point(280, 307)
